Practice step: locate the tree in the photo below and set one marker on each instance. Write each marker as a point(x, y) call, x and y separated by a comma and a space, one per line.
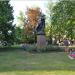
point(32, 22)
point(19, 34)
point(63, 17)
point(24, 32)
point(21, 19)
point(49, 29)
point(32, 19)
point(6, 20)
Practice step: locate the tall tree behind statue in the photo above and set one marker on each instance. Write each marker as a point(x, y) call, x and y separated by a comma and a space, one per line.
point(6, 20)
point(32, 20)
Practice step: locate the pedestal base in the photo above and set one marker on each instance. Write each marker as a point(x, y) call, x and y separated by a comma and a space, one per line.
point(41, 41)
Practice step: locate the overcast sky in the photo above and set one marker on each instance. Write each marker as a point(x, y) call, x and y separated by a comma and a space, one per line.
point(21, 5)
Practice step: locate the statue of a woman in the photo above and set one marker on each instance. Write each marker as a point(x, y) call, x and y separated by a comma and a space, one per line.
point(41, 24)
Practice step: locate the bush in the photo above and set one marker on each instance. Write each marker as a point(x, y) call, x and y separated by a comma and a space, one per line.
point(54, 48)
point(48, 48)
point(29, 48)
point(32, 48)
point(10, 48)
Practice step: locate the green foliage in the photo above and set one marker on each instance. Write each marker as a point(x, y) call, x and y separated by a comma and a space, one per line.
point(21, 37)
point(62, 18)
point(48, 48)
point(51, 48)
point(10, 48)
point(31, 39)
point(21, 19)
point(6, 20)
point(29, 48)
point(19, 34)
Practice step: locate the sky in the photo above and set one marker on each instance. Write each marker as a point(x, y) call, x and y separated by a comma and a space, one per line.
point(21, 5)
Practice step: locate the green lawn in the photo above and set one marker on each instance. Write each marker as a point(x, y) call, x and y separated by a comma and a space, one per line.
point(19, 62)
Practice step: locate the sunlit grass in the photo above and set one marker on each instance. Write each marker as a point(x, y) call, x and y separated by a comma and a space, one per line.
point(19, 62)
point(39, 73)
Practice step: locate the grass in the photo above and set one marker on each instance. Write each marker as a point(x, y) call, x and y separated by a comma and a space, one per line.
point(39, 73)
point(19, 62)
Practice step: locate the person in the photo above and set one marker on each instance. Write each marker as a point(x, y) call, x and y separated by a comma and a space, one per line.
point(66, 43)
point(72, 54)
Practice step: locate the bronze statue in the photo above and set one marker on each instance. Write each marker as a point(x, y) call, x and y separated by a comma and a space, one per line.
point(41, 24)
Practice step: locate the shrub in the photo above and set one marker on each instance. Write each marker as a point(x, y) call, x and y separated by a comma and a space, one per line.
point(54, 48)
point(10, 48)
point(29, 48)
point(48, 48)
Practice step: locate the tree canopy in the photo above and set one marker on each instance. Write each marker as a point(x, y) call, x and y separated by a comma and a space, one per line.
point(63, 17)
point(6, 20)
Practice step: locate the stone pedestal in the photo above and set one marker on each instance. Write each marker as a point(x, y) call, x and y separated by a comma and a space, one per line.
point(41, 40)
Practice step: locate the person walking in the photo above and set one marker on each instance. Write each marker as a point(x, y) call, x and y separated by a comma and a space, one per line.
point(66, 44)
